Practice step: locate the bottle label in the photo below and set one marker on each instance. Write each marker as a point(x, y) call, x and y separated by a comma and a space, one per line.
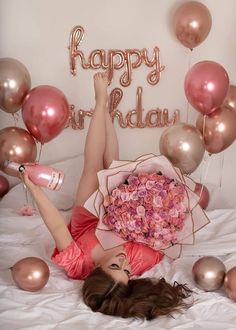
point(53, 182)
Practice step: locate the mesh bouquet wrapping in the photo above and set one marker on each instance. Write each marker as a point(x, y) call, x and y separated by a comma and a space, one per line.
point(146, 201)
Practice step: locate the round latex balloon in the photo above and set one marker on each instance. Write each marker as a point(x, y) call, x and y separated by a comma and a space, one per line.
point(218, 129)
point(15, 83)
point(4, 186)
point(230, 283)
point(45, 112)
point(17, 145)
point(192, 23)
point(183, 145)
point(208, 273)
point(30, 274)
point(206, 85)
point(204, 195)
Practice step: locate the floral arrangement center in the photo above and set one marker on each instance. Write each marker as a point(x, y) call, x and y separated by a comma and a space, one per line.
point(149, 208)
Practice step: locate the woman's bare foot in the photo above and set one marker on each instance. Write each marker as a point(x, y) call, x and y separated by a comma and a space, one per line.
point(100, 88)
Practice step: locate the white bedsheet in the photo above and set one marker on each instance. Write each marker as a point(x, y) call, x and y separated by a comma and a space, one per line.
point(59, 304)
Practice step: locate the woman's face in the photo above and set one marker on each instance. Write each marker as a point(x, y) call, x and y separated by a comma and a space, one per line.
point(117, 267)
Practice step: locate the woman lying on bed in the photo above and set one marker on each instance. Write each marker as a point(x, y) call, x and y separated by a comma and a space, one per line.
point(108, 287)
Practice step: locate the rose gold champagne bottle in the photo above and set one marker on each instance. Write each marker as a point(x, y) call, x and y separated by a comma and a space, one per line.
point(41, 175)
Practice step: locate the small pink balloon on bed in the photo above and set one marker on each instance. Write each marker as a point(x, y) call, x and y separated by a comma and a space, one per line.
point(30, 274)
point(45, 112)
point(4, 186)
point(230, 283)
point(204, 195)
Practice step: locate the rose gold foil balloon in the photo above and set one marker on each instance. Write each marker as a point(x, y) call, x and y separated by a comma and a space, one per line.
point(45, 112)
point(206, 85)
point(218, 129)
point(192, 23)
point(4, 186)
point(17, 145)
point(203, 193)
point(30, 274)
point(183, 145)
point(230, 283)
point(230, 100)
point(15, 83)
point(208, 273)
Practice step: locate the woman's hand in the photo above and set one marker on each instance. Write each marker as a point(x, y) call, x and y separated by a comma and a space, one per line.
point(26, 180)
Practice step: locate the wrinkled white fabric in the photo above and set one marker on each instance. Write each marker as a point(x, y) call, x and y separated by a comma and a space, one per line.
point(59, 304)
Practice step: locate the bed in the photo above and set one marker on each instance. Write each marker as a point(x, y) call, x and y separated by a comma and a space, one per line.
point(59, 304)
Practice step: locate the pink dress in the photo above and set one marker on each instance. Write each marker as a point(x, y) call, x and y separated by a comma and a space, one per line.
point(76, 258)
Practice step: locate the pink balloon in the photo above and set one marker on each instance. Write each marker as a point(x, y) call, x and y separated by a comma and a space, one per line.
point(203, 193)
point(4, 186)
point(45, 112)
point(206, 85)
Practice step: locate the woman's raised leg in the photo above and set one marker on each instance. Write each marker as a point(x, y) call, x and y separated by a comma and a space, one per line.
point(95, 142)
point(112, 147)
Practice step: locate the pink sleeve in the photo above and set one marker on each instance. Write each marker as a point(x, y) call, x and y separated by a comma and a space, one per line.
point(73, 261)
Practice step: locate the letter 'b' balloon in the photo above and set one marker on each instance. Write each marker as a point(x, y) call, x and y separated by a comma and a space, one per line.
point(206, 85)
point(45, 112)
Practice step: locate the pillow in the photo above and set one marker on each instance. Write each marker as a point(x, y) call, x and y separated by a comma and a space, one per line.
point(63, 199)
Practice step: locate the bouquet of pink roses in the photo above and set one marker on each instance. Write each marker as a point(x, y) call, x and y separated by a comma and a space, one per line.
point(147, 208)
point(147, 201)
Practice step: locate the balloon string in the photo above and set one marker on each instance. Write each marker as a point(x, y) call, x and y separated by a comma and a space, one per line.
point(40, 151)
point(207, 160)
point(189, 65)
point(221, 168)
point(26, 194)
point(15, 118)
point(204, 126)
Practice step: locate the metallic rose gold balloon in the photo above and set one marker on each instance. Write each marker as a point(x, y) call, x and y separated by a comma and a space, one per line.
point(230, 100)
point(15, 83)
point(183, 145)
point(208, 273)
point(206, 85)
point(4, 186)
point(17, 145)
point(192, 23)
point(218, 129)
point(203, 193)
point(230, 283)
point(45, 112)
point(30, 274)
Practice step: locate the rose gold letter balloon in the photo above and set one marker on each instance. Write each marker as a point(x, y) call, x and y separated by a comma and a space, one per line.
point(230, 283)
point(30, 274)
point(206, 85)
point(192, 23)
point(45, 112)
point(183, 145)
point(203, 193)
point(208, 273)
point(15, 83)
point(17, 145)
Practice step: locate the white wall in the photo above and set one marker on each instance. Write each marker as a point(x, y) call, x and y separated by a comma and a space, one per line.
point(37, 33)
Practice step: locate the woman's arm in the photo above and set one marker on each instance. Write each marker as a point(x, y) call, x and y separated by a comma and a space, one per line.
point(50, 215)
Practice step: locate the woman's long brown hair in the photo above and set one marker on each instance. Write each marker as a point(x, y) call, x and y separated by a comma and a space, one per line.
point(142, 298)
